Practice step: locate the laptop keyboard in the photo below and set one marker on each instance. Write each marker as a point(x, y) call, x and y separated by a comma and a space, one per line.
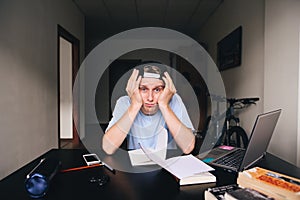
point(232, 160)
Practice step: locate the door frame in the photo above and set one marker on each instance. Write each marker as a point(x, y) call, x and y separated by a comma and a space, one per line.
point(63, 33)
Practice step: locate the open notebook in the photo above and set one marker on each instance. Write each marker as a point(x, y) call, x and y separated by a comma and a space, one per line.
point(139, 158)
point(187, 169)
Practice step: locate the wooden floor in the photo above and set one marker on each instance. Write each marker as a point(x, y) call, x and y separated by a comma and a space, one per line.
point(92, 140)
point(70, 144)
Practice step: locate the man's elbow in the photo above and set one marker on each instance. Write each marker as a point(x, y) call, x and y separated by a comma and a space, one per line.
point(190, 147)
point(109, 151)
point(107, 147)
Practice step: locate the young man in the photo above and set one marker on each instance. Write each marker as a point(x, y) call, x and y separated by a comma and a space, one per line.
point(151, 106)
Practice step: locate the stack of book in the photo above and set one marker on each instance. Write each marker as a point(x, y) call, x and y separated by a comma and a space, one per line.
point(246, 193)
point(273, 184)
point(234, 192)
point(217, 193)
point(257, 184)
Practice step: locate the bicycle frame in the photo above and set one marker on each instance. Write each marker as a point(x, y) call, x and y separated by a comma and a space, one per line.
point(229, 118)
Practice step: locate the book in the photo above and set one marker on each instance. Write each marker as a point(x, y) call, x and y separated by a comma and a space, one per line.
point(245, 193)
point(218, 192)
point(234, 192)
point(187, 169)
point(273, 184)
point(198, 178)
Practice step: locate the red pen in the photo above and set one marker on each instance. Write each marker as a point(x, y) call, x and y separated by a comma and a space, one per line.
point(81, 168)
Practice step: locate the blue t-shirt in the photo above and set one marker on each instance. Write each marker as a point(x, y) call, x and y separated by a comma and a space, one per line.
point(145, 128)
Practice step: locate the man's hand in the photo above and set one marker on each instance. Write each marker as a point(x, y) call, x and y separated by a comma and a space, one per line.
point(168, 91)
point(132, 88)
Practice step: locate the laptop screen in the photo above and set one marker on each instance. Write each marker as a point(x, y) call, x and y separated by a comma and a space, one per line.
point(260, 137)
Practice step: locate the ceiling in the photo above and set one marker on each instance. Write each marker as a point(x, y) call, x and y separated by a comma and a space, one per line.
point(113, 16)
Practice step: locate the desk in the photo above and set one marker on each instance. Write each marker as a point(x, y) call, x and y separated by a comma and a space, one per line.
point(158, 184)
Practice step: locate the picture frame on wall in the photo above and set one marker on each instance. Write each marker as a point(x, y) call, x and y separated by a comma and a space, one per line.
point(229, 50)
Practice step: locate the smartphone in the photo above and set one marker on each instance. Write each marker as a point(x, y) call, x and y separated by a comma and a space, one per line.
point(91, 159)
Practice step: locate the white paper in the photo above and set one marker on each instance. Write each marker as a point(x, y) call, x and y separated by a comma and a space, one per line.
point(184, 166)
point(180, 166)
point(138, 156)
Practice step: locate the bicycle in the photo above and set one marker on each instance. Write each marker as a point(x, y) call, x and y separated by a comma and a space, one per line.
point(232, 133)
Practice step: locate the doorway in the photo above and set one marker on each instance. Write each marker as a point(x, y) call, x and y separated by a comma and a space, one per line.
point(68, 112)
point(199, 87)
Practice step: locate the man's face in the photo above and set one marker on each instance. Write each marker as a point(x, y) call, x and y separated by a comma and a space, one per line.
point(150, 89)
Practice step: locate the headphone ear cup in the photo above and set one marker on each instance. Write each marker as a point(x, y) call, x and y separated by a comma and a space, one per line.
point(37, 182)
point(36, 185)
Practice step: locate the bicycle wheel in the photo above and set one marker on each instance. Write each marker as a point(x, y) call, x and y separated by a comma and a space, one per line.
point(237, 136)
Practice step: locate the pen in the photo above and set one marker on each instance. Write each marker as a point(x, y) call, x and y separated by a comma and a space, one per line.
point(42, 160)
point(80, 168)
point(109, 167)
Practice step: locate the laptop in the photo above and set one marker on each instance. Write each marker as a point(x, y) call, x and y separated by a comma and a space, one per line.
point(238, 159)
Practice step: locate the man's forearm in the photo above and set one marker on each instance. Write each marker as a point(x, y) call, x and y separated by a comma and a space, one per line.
point(116, 134)
point(182, 135)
